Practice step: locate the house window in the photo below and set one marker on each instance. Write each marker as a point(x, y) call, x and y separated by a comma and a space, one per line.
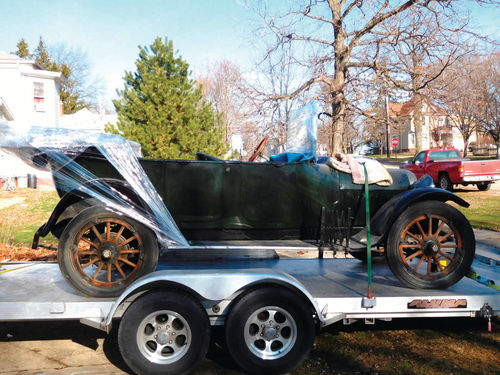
point(39, 96)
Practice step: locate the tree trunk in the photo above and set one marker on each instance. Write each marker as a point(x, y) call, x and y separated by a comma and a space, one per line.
point(417, 121)
point(338, 124)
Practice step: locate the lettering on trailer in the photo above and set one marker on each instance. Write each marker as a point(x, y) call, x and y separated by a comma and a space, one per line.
point(438, 304)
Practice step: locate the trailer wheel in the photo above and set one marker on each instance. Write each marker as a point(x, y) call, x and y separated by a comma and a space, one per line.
point(164, 333)
point(100, 252)
point(484, 186)
point(431, 245)
point(270, 330)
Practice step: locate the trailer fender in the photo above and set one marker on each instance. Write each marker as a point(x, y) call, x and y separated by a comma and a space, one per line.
point(207, 285)
point(382, 221)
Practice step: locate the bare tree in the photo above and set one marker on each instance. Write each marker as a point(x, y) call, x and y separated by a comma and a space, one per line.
point(225, 87)
point(274, 79)
point(79, 89)
point(490, 97)
point(341, 42)
point(460, 95)
point(420, 46)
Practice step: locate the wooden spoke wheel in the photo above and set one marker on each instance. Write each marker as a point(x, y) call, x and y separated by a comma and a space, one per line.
point(101, 253)
point(109, 252)
point(431, 245)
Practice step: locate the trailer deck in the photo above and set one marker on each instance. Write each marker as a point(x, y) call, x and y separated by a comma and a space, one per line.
point(37, 291)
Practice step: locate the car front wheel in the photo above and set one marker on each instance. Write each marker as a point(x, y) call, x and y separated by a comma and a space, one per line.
point(431, 245)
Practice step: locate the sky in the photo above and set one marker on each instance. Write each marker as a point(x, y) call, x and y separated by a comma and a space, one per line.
point(110, 31)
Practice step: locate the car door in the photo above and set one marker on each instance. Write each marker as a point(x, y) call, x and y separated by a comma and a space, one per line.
point(418, 165)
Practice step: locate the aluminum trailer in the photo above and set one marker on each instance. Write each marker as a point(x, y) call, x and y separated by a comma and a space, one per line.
point(271, 308)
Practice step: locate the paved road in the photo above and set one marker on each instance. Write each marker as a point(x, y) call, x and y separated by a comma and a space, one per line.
point(64, 348)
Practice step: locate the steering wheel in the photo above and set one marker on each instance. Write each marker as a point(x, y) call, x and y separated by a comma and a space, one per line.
point(258, 149)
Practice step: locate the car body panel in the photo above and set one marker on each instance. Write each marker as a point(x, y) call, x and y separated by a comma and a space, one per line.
point(214, 200)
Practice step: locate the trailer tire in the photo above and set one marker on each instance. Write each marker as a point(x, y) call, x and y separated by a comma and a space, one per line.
point(270, 331)
point(164, 333)
point(431, 245)
point(100, 252)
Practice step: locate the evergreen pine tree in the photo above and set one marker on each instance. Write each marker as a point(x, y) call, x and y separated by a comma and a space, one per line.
point(42, 56)
point(161, 108)
point(23, 49)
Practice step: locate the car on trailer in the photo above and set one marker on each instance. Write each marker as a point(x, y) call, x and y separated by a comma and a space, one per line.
point(427, 242)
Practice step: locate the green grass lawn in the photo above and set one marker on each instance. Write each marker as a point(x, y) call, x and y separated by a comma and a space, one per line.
point(19, 222)
point(484, 211)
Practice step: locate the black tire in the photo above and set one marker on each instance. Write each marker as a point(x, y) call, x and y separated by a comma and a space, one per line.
point(484, 186)
point(289, 344)
point(431, 245)
point(104, 265)
point(164, 333)
point(444, 182)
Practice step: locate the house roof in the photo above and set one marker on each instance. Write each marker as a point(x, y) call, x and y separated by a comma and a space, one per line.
point(10, 58)
point(30, 67)
point(407, 108)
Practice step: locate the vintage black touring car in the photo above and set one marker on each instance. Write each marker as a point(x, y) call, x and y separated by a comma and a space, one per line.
point(427, 243)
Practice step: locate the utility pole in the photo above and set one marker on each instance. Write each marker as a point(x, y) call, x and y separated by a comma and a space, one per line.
point(388, 125)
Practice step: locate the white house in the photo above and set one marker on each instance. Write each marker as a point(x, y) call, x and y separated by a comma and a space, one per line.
point(437, 129)
point(28, 94)
point(87, 120)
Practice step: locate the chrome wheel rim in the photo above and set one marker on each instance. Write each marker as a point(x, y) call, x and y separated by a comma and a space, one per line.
point(270, 332)
point(164, 337)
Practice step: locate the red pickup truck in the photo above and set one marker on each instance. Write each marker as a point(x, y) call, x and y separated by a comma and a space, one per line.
point(447, 168)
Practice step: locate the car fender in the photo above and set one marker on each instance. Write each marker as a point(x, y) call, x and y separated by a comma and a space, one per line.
point(73, 198)
point(385, 217)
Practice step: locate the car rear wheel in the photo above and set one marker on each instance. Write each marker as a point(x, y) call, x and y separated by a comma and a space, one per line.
point(431, 245)
point(484, 186)
point(100, 252)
